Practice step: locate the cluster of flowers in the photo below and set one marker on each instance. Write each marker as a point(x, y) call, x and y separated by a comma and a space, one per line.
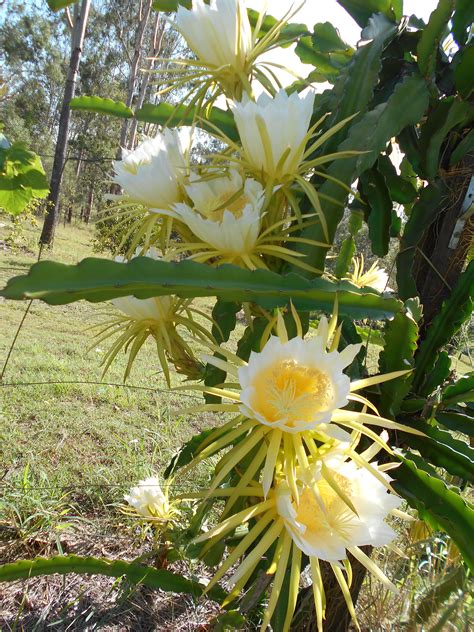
point(290, 470)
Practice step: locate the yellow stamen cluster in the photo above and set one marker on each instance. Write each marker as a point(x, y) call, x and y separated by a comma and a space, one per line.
point(306, 485)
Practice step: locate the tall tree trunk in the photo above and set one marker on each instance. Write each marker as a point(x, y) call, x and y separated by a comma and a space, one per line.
point(145, 10)
point(442, 254)
point(77, 41)
point(155, 49)
point(88, 209)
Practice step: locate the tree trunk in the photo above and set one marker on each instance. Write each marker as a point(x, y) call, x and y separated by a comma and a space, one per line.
point(442, 254)
point(134, 67)
point(337, 618)
point(77, 41)
point(155, 49)
point(88, 209)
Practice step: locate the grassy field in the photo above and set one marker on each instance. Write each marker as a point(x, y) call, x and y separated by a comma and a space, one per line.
point(71, 445)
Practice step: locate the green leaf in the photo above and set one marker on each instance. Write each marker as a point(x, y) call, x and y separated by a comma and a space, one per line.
point(446, 115)
point(370, 335)
point(433, 499)
point(401, 335)
point(462, 20)
point(374, 189)
point(101, 106)
point(457, 422)
point(57, 5)
point(355, 87)
point(401, 190)
point(464, 147)
point(461, 391)
point(463, 74)
point(134, 572)
point(437, 376)
point(454, 312)
point(172, 116)
point(431, 36)
point(322, 62)
point(99, 280)
point(22, 178)
point(361, 10)
point(422, 215)
point(187, 453)
point(227, 621)
point(441, 449)
point(251, 338)
point(344, 258)
point(171, 5)
point(326, 38)
point(406, 106)
point(370, 134)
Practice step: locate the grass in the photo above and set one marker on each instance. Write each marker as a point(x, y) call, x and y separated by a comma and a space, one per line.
point(91, 441)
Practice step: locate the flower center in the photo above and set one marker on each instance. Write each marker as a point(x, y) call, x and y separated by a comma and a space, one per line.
point(338, 517)
point(291, 392)
point(228, 201)
point(132, 166)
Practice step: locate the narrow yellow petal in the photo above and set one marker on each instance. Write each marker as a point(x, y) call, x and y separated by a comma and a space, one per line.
point(289, 465)
point(281, 328)
point(318, 592)
point(357, 385)
point(367, 432)
point(240, 549)
point(346, 592)
point(363, 400)
point(372, 567)
point(373, 470)
point(238, 453)
point(212, 390)
point(330, 479)
point(280, 562)
point(294, 586)
point(403, 515)
point(333, 321)
point(336, 340)
point(246, 478)
point(296, 318)
point(221, 364)
point(239, 518)
point(254, 557)
point(270, 461)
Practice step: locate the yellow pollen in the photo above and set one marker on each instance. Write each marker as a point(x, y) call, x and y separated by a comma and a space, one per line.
point(291, 392)
point(338, 517)
point(226, 202)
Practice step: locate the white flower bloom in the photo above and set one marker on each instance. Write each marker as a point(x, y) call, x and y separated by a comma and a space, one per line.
point(227, 213)
point(157, 308)
point(152, 173)
point(273, 131)
point(327, 533)
point(219, 33)
point(375, 277)
point(148, 499)
point(295, 385)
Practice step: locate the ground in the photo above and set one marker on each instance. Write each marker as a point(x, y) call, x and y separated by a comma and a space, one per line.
point(71, 444)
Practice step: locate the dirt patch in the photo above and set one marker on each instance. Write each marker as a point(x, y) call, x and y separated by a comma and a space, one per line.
point(85, 603)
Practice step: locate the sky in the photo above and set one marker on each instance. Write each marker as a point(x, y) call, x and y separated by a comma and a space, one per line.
point(314, 11)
